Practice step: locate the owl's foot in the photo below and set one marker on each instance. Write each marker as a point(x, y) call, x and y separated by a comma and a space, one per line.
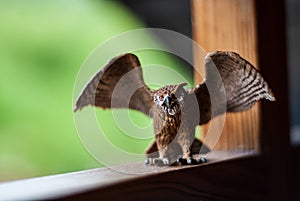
point(157, 161)
point(161, 161)
point(191, 161)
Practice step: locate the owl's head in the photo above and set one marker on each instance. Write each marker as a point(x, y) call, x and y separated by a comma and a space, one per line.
point(169, 98)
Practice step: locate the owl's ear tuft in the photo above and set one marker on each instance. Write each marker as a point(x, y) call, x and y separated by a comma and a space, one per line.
point(179, 88)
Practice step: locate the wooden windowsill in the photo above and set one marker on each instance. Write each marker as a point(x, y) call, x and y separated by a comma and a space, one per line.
point(70, 184)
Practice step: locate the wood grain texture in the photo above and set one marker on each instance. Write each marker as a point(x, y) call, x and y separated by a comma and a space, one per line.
point(229, 25)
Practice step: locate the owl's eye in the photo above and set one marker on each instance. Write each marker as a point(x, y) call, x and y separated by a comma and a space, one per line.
point(157, 99)
point(161, 98)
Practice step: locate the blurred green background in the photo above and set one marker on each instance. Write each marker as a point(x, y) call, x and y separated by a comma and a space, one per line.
point(42, 46)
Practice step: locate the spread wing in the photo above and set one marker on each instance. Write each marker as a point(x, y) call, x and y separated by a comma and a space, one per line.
point(236, 87)
point(119, 84)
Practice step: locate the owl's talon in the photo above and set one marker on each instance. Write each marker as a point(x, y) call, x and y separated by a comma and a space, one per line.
point(166, 161)
point(158, 162)
point(202, 160)
point(189, 161)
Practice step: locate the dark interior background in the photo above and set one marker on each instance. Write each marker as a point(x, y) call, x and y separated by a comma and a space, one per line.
point(173, 15)
point(168, 14)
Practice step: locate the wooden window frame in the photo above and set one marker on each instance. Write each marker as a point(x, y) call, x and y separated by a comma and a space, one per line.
point(267, 176)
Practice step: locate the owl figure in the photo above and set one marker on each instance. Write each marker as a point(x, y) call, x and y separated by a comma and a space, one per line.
point(231, 84)
point(174, 126)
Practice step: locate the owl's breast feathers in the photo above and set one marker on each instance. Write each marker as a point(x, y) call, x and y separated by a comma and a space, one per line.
point(166, 126)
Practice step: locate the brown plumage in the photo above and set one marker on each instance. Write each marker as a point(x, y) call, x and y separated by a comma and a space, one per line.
point(232, 84)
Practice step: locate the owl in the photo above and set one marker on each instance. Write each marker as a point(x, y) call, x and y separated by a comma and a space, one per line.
point(231, 84)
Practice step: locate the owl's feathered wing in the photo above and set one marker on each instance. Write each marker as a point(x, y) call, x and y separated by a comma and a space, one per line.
point(232, 84)
point(235, 86)
point(119, 84)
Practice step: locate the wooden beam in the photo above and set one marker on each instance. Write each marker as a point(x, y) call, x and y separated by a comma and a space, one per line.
point(107, 183)
point(217, 181)
point(229, 25)
point(275, 144)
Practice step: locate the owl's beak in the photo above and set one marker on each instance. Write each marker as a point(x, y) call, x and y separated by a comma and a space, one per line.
point(167, 101)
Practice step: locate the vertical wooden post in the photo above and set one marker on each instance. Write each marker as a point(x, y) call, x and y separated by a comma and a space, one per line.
point(229, 25)
point(272, 52)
